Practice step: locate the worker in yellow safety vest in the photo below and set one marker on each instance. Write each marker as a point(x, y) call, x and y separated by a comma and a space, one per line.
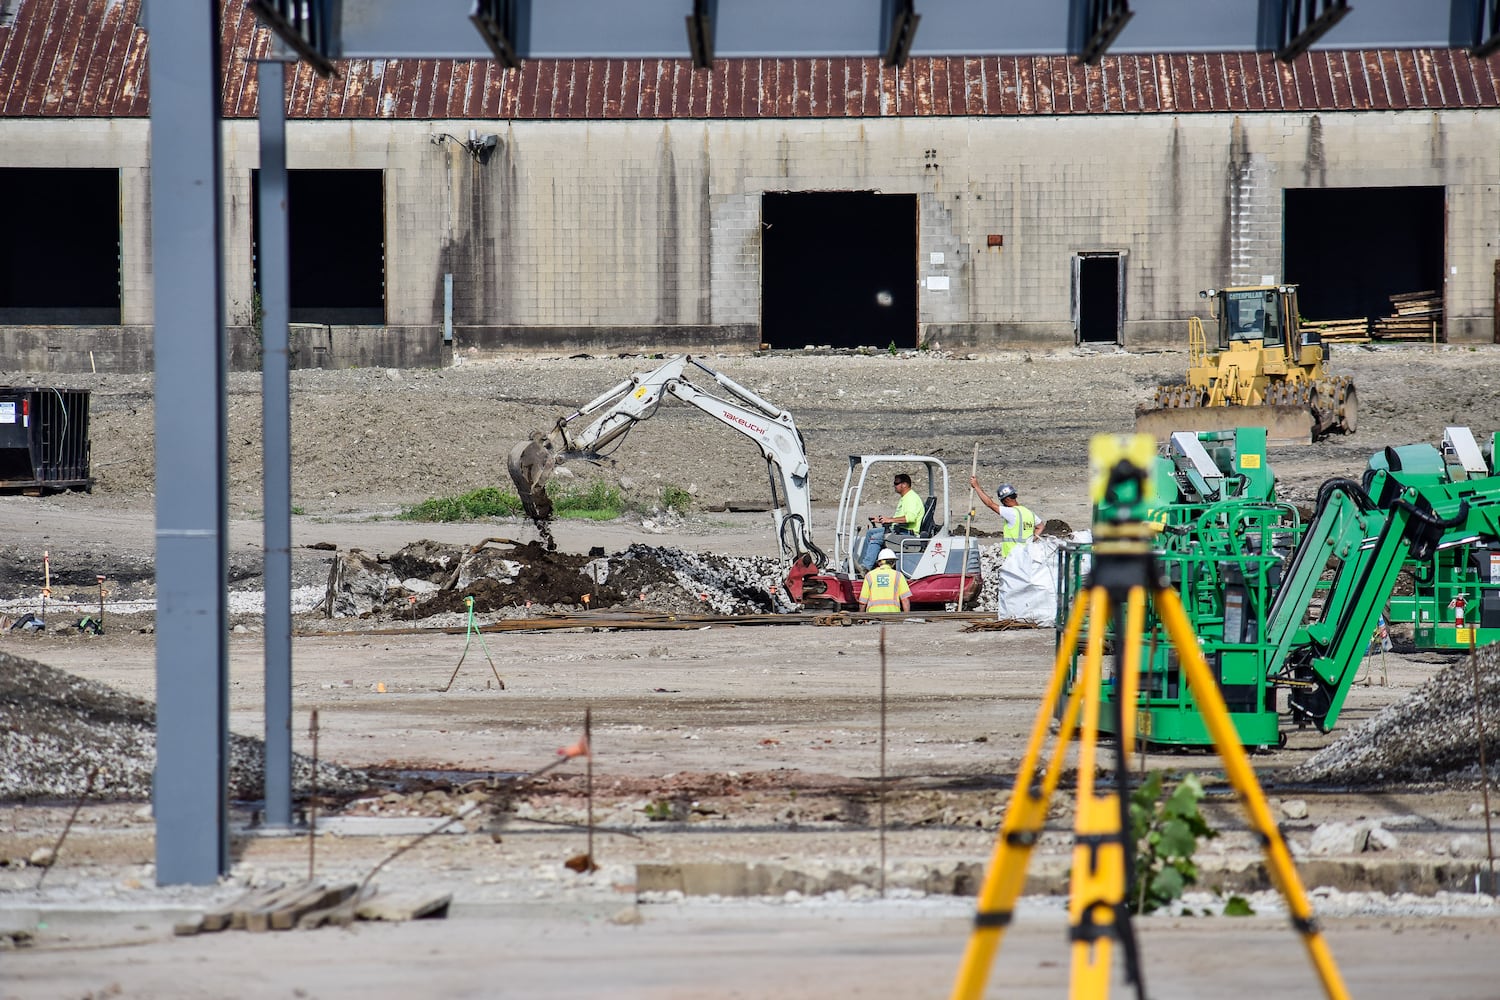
point(884, 589)
point(1021, 525)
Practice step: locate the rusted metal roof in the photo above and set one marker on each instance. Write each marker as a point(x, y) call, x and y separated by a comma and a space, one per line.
point(87, 58)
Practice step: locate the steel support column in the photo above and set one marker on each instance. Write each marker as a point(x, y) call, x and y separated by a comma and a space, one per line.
point(277, 442)
point(192, 653)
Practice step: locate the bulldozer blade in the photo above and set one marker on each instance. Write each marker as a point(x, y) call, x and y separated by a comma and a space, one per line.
point(1284, 424)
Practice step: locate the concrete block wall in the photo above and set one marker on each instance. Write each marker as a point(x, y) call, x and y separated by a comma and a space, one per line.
point(633, 235)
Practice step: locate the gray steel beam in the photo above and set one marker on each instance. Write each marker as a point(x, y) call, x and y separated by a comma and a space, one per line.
point(610, 28)
point(192, 652)
point(276, 427)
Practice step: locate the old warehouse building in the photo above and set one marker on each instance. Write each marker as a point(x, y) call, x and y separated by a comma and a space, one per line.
point(613, 204)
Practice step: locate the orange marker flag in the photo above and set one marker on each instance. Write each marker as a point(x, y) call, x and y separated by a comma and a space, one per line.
point(579, 749)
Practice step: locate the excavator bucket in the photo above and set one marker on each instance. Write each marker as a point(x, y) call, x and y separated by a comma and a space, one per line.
point(1284, 424)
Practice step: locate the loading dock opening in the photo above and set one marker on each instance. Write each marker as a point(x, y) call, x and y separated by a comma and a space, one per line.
point(838, 268)
point(335, 245)
point(60, 246)
point(1349, 249)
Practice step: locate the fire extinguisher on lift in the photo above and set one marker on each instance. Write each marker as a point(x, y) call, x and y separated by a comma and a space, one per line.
point(1457, 604)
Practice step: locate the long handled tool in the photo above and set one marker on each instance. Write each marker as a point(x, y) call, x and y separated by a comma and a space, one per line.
point(46, 581)
point(968, 537)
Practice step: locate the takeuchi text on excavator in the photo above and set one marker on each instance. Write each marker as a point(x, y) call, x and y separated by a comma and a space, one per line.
point(1266, 371)
point(598, 428)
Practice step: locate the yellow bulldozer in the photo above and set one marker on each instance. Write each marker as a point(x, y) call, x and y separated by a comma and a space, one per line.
point(1267, 372)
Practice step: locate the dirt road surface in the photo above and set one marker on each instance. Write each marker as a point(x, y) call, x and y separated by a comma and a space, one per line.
point(755, 749)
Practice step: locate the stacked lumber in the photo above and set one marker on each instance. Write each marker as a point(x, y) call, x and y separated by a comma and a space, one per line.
point(1349, 331)
point(1413, 317)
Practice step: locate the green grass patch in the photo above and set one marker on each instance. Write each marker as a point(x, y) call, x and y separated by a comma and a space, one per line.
point(488, 502)
point(676, 498)
point(595, 501)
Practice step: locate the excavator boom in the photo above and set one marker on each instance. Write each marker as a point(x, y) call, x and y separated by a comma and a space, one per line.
point(615, 412)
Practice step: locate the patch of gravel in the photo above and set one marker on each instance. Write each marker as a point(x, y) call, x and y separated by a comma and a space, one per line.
point(57, 728)
point(1429, 736)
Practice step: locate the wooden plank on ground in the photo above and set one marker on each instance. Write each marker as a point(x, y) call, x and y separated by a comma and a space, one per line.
point(286, 918)
point(405, 906)
point(305, 895)
point(217, 920)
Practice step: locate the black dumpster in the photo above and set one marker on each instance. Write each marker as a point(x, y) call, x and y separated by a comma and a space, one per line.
point(44, 438)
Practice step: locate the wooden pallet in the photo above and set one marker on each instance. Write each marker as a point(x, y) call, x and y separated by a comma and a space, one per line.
point(315, 904)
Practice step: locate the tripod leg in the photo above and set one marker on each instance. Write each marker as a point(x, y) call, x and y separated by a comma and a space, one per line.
point(490, 659)
point(1127, 690)
point(1098, 886)
point(1242, 777)
point(454, 675)
point(1024, 816)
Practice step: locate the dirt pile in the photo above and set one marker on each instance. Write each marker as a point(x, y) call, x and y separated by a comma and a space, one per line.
point(1430, 736)
point(428, 578)
point(59, 728)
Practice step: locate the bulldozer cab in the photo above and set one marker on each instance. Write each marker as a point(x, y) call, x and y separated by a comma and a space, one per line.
point(1249, 315)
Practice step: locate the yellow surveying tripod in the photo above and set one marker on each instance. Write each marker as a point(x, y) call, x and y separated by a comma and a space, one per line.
point(1124, 570)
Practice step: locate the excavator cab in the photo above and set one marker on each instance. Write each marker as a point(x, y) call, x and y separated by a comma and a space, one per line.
point(938, 564)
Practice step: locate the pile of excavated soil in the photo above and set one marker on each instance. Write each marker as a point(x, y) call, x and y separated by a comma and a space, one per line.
point(58, 728)
point(643, 577)
point(1433, 735)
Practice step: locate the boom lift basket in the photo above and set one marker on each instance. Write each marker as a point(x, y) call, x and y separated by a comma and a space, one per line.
point(44, 438)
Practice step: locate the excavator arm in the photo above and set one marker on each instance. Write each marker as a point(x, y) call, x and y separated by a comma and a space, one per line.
point(615, 412)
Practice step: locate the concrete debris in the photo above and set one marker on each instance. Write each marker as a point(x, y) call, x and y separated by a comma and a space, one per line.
point(1429, 736)
point(58, 727)
point(657, 578)
point(486, 564)
point(357, 584)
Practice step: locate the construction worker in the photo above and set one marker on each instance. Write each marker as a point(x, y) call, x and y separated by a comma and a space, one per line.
point(908, 519)
point(1021, 525)
point(884, 589)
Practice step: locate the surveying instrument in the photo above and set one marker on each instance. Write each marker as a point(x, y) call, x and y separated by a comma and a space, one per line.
point(1125, 570)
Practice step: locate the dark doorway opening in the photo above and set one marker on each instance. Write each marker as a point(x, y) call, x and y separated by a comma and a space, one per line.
point(1349, 249)
point(838, 268)
point(1099, 293)
point(60, 246)
point(335, 245)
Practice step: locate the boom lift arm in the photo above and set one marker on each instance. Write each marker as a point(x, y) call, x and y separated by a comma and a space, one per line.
point(1370, 536)
point(773, 430)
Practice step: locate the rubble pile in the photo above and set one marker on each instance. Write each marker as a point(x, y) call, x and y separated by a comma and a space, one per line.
point(57, 728)
point(427, 578)
point(1431, 735)
point(989, 568)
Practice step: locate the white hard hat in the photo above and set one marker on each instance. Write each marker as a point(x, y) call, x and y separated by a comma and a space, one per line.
point(886, 554)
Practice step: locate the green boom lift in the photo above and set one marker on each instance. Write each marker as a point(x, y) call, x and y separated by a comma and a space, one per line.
point(1268, 623)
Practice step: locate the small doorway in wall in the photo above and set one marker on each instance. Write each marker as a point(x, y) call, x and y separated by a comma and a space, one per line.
point(1098, 297)
point(838, 268)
